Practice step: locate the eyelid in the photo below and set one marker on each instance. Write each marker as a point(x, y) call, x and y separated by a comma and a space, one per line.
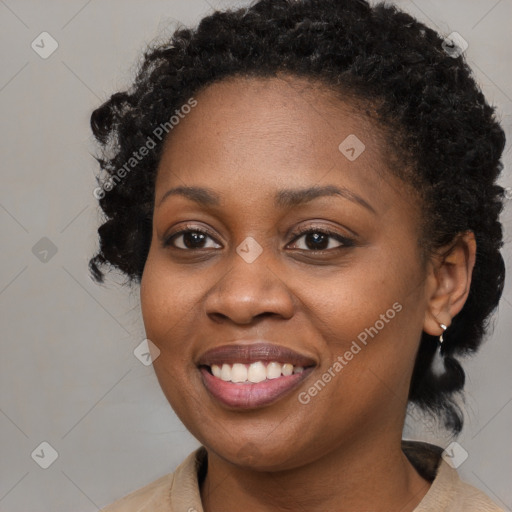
point(345, 241)
point(166, 241)
point(333, 231)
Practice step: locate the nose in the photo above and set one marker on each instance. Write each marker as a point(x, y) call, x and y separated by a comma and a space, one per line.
point(249, 290)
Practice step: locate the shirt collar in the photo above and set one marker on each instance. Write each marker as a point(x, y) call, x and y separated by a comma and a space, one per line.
point(184, 493)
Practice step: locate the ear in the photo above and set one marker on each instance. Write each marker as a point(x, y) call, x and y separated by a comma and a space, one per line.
point(449, 281)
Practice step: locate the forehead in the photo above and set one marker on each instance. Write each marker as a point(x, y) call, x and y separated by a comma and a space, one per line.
point(246, 132)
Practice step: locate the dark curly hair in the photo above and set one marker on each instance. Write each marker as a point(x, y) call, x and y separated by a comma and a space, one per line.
point(444, 137)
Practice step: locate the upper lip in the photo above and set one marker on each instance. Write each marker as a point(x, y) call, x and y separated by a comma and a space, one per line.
point(247, 353)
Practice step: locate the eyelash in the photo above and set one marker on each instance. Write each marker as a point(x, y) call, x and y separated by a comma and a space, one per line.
point(346, 242)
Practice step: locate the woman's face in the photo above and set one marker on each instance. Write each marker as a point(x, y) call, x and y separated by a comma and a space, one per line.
point(349, 298)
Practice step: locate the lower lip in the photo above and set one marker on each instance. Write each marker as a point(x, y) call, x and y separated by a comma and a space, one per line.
point(251, 395)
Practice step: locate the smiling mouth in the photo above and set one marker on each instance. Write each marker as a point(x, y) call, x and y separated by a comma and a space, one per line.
point(253, 373)
point(246, 394)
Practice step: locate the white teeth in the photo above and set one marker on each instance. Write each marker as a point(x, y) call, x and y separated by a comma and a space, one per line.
point(239, 373)
point(255, 372)
point(273, 370)
point(225, 373)
point(287, 369)
point(216, 370)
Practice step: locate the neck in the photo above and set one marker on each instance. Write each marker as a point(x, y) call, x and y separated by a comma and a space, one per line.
point(374, 475)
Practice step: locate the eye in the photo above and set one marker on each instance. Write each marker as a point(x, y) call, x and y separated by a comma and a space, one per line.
point(191, 239)
point(317, 239)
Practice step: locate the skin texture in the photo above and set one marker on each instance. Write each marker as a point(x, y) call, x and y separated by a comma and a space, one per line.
point(246, 139)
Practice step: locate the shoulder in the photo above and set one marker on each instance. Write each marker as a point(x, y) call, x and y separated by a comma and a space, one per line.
point(470, 499)
point(170, 493)
point(447, 493)
point(152, 495)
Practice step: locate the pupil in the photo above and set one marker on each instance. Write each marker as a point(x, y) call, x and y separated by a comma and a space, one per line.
point(194, 236)
point(315, 244)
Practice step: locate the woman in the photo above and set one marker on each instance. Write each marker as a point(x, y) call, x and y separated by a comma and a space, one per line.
point(306, 193)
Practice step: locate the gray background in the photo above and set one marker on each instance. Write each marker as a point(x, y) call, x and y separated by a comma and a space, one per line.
point(68, 375)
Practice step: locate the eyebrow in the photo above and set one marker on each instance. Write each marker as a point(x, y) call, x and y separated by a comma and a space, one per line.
point(286, 198)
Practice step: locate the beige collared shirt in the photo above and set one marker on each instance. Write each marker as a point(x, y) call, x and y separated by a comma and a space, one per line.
point(179, 491)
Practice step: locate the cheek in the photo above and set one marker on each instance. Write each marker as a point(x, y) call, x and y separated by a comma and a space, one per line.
point(165, 308)
point(166, 300)
point(370, 321)
point(351, 300)
point(166, 312)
